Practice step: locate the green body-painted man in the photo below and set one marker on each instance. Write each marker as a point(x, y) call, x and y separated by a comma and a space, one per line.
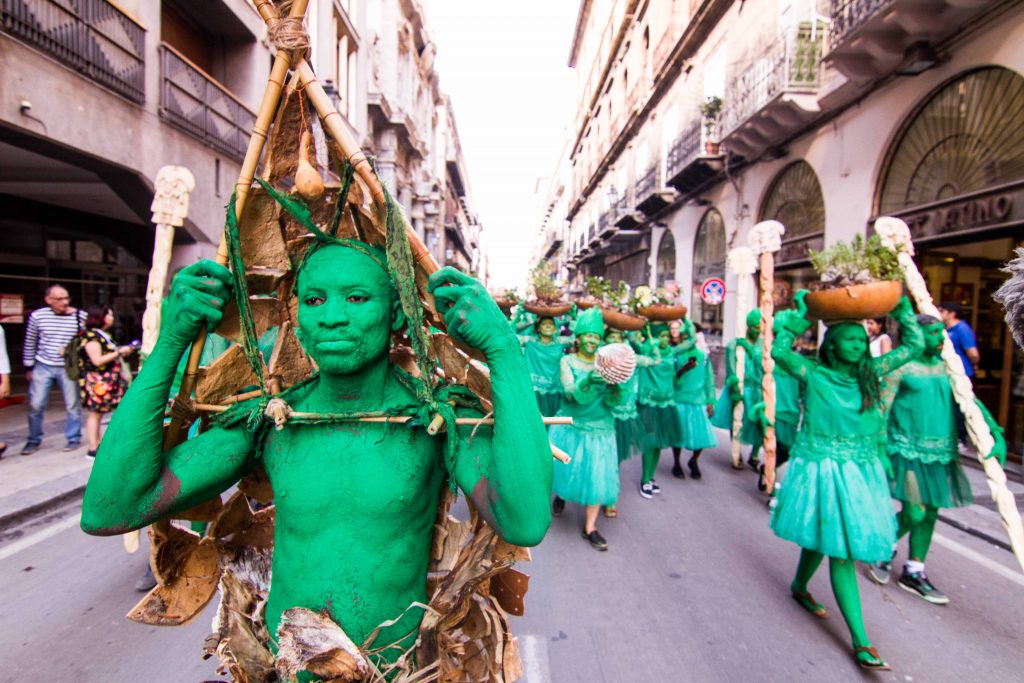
point(834, 501)
point(356, 502)
point(751, 431)
point(922, 446)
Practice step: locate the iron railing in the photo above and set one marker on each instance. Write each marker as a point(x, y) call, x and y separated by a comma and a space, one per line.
point(195, 103)
point(791, 64)
point(684, 149)
point(849, 15)
point(90, 36)
point(648, 183)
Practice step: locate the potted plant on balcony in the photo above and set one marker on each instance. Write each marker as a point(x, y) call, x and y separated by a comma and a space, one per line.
point(710, 109)
point(859, 280)
point(547, 298)
point(597, 288)
point(656, 304)
point(615, 309)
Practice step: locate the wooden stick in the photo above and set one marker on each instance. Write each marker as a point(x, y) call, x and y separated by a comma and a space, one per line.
point(265, 115)
point(896, 235)
point(766, 239)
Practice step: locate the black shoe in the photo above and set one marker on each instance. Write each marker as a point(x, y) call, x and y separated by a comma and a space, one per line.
point(762, 485)
point(557, 506)
point(918, 583)
point(655, 489)
point(677, 471)
point(754, 463)
point(72, 446)
point(596, 540)
point(146, 582)
point(90, 455)
point(30, 448)
point(694, 468)
point(647, 490)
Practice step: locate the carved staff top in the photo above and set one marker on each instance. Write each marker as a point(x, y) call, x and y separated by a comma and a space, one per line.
point(741, 261)
point(766, 237)
point(174, 184)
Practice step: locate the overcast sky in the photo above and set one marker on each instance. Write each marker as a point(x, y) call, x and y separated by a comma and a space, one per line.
point(504, 65)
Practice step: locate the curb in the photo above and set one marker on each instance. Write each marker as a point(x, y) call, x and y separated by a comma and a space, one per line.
point(967, 529)
point(11, 518)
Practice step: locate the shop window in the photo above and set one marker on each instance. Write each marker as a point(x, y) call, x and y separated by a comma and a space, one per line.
point(795, 200)
point(709, 250)
point(665, 270)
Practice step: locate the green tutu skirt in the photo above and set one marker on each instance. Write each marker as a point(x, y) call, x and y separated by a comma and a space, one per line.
point(935, 484)
point(592, 476)
point(662, 428)
point(629, 437)
point(697, 430)
point(750, 432)
point(548, 403)
point(839, 507)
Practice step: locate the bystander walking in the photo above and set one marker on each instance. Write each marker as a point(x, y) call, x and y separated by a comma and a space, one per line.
point(962, 337)
point(48, 332)
point(100, 377)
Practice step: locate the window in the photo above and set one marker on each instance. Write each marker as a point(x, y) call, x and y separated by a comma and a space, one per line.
point(665, 267)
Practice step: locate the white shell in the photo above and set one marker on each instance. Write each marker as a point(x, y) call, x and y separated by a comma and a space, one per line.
point(615, 362)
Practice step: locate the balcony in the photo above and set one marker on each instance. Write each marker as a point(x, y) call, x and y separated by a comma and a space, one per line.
point(89, 36)
point(651, 194)
point(202, 107)
point(869, 39)
point(606, 225)
point(625, 216)
point(775, 95)
point(689, 167)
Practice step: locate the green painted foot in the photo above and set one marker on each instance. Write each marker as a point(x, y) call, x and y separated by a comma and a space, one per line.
point(868, 658)
point(807, 601)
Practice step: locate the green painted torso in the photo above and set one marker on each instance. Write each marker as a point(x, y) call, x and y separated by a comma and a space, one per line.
point(657, 384)
point(833, 424)
point(594, 415)
point(692, 386)
point(542, 362)
point(626, 410)
point(922, 424)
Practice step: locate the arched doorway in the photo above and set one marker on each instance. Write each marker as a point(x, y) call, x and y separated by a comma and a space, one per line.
point(709, 248)
point(794, 198)
point(665, 266)
point(955, 174)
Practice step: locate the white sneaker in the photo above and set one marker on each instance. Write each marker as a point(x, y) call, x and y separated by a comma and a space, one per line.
point(647, 489)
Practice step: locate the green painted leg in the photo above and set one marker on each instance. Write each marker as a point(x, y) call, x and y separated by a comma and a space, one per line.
point(844, 585)
point(809, 563)
point(651, 457)
point(921, 534)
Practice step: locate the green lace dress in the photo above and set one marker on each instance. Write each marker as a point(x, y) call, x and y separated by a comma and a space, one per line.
point(695, 391)
point(542, 362)
point(656, 402)
point(750, 431)
point(835, 495)
point(922, 438)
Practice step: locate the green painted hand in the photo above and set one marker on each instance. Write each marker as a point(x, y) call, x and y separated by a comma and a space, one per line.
point(758, 415)
point(733, 386)
point(197, 298)
point(798, 301)
point(902, 309)
point(470, 313)
point(999, 448)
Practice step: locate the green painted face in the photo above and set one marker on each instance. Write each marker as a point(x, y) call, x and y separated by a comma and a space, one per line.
point(589, 343)
point(613, 337)
point(933, 339)
point(546, 327)
point(850, 343)
point(347, 309)
point(664, 338)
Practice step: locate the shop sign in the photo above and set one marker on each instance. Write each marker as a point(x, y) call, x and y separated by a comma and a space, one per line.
point(991, 209)
point(12, 309)
point(712, 291)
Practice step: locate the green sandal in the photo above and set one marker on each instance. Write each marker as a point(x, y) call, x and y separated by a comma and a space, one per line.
point(807, 601)
point(872, 661)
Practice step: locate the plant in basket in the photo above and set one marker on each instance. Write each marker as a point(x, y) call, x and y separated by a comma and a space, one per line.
point(597, 290)
point(859, 280)
point(616, 311)
point(656, 304)
point(507, 300)
point(547, 297)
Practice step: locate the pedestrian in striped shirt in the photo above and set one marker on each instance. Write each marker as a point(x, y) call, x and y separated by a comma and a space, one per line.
point(49, 330)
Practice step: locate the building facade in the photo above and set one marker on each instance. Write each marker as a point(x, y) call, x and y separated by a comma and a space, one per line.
point(831, 114)
point(97, 96)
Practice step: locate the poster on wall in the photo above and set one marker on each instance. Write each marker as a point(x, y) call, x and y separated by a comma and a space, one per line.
point(12, 309)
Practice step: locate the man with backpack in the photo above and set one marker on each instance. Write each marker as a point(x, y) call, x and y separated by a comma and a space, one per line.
point(47, 335)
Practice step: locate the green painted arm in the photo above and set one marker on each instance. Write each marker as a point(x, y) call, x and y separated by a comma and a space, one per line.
point(911, 340)
point(787, 327)
point(506, 471)
point(999, 448)
point(134, 482)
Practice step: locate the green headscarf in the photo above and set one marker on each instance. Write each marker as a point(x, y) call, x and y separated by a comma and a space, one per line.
point(590, 321)
point(754, 317)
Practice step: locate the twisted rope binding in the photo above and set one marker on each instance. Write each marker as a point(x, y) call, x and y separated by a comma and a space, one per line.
point(289, 35)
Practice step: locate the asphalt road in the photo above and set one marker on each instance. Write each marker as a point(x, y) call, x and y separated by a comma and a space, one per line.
point(693, 588)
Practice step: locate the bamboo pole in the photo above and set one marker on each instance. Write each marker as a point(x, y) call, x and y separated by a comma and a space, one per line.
point(743, 263)
point(264, 117)
point(896, 235)
point(766, 239)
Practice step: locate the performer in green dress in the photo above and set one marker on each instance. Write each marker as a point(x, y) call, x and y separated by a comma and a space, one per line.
point(657, 404)
point(835, 498)
point(695, 403)
point(751, 432)
point(922, 446)
point(592, 476)
point(543, 351)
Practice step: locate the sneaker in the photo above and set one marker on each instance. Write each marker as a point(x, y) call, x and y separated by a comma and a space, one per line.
point(647, 489)
point(655, 489)
point(917, 582)
point(557, 506)
point(72, 446)
point(90, 455)
point(677, 471)
point(596, 539)
point(880, 572)
point(694, 468)
point(146, 582)
point(30, 448)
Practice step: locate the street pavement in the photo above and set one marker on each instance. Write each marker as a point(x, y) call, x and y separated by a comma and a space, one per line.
point(694, 587)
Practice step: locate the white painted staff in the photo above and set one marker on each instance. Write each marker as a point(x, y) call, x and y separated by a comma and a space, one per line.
point(174, 184)
point(766, 239)
point(896, 235)
point(742, 262)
